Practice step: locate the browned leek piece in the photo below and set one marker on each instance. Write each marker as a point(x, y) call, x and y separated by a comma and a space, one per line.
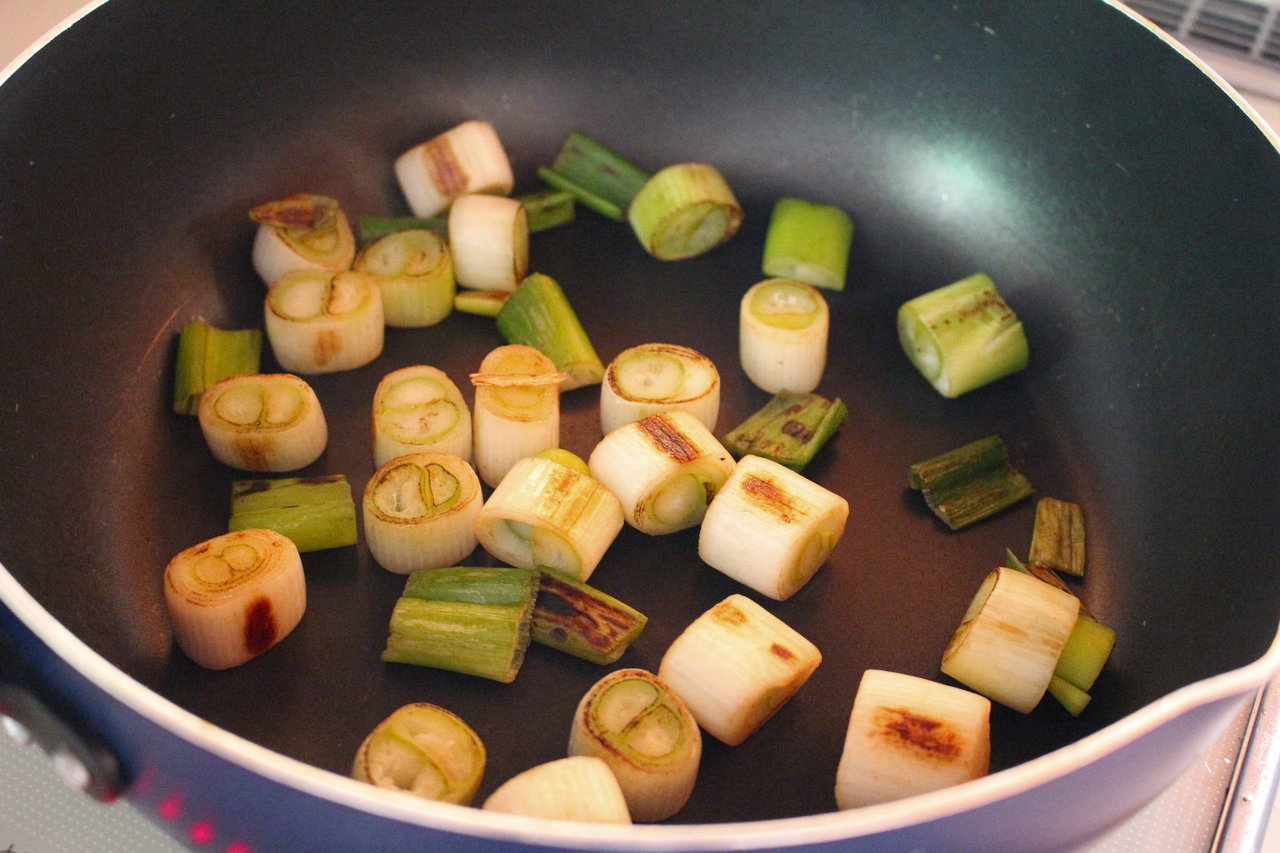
point(970, 483)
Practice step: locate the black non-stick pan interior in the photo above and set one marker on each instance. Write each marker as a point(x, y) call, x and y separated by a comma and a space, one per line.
point(1122, 202)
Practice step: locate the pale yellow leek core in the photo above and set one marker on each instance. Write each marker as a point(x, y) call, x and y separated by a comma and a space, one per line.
point(263, 422)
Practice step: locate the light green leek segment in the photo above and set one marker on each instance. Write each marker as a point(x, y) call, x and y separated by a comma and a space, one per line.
point(595, 175)
point(790, 429)
point(477, 585)
point(207, 354)
point(1057, 540)
point(315, 513)
point(538, 314)
point(1068, 695)
point(809, 242)
point(482, 303)
point(683, 211)
point(580, 620)
point(969, 483)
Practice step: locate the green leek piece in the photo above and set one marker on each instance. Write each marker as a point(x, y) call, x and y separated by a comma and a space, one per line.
point(371, 228)
point(463, 626)
point(1071, 697)
point(959, 464)
point(808, 242)
point(683, 211)
point(1057, 540)
point(548, 208)
point(538, 314)
point(1086, 652)
point(596, 176)
point(482, 303)
point(970, 483)
point(790, 429)
point(315, 513)
point(581, 620)
point(962, 336)
point(207, 354)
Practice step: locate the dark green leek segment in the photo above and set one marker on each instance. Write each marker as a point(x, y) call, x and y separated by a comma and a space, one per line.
point(790, 429)
point(959, 464)
point(579, 619)
point(477, 585)
point(597, 176)
point(371, 228)
point(315, 513)
point(548, 208)
point(538, 314)
point(207, 354)
point(809, 242)
point(1057, 541)
point(970, 483)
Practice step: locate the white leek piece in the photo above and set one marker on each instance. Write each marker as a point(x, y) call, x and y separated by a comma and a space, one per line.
point(517, 409)
point(301, 232)
point(545, 515)
point(414, 273)
point(909, 735)
point(684, 210)
point(270, 422)
point(489, 238)
point(635, 723)
point(665, 469)
point(233, 597)
point(425, 750)
point(319, 322)
point(782, 335)
point(420, 512)
point(771, 528)
point(651, 378)
point(418, 409)
point(581, 787)
point(468, 158)
point(736, 666)
point(1011, 637)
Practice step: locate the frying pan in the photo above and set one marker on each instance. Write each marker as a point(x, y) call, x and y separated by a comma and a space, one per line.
point(1122, 199)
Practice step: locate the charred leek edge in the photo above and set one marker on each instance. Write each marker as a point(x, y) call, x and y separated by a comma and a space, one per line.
point(1057, 540)
point(538, 314)
point(414, 273)
point(485, 640)
point(737, 665)
point(517, 409)
point(467, 158)
point(582, 621)
point(771, 528)
point(581, 788)
point(808, 241)
point(962, 336)
point(425, 750)
point(683, 211)
point(473, 585)
point(482, 303)
point(597, 176)
point(373, 228)
point(207, 354)
point(1010, 639)
point(420, 511)
point(416, 409)
point(790, 429)
point(909, 735)
point(1068, 695)
point(489, 238)
point(545, 515)
point(665, 469)
point(319, 322)
point(651, 378)
point(782, 335)
point(268, 422)
point(548, 208)
point(970, 483)
point(634, 722)
point(316, 513)
point(301, 232)
point(233, 597)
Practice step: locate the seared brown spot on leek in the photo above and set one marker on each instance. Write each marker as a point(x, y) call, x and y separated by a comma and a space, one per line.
point(583, 621)
point(467, 158)
point(790, 429)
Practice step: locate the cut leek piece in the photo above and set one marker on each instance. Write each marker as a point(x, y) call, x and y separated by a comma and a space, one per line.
point(597, 176)
point(665, 470)
point(316, 513)
point(268, 422)
point(683, 211)
point(580, 787)
point(538, 314)
point(771, 528)
point(425, 750)
point(414, 273)
point(909, 735)
point(970, 483)
point(473, 585)
point(301, 232)
point(207, 354)
point(651, 378)
point(959, 464)
point(1047, 575)
point(1057, 540)
point(1009, 641)
point(373, 228)
point(482, 303)
point(1068, 695)
point(548, 208)
point(566, 458)
point(448, 631)
point(637, 725)
point(233, 597)
point(467, 158)
point(782, 335)
point(419, 512)
point(545, 515)
point(736, 666)
point(809, 242)
point(517, 409)
point(322, 323)
point(962, 336)
point(580, 620)
point(790, 429)
point(489, 239)
point(418, 409)
point(1086, 652)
